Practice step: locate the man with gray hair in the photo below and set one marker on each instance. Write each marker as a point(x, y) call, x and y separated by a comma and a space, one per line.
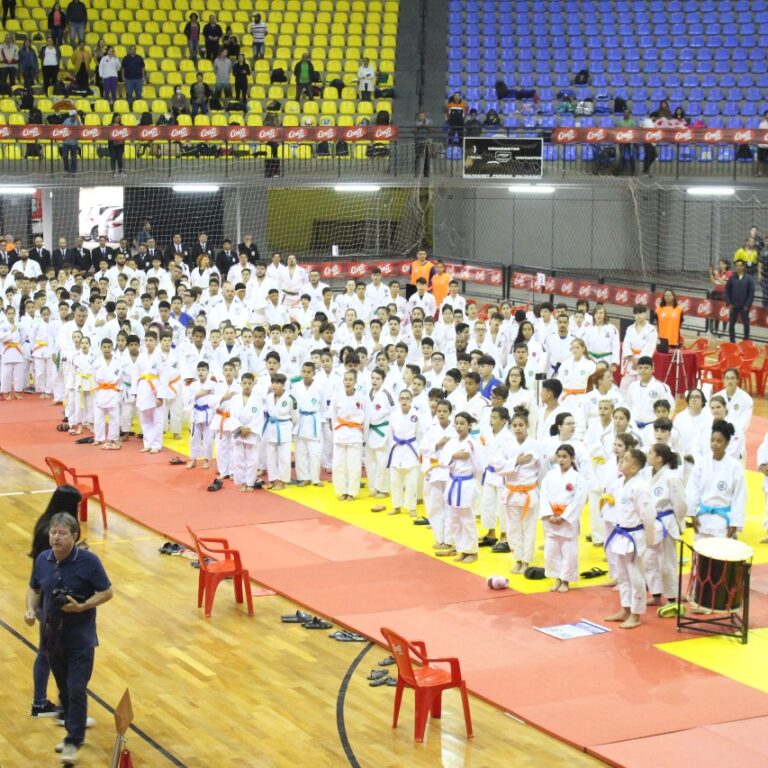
point(72, 583)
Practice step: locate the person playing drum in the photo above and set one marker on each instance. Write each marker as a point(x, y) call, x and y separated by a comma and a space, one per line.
point(716, 492)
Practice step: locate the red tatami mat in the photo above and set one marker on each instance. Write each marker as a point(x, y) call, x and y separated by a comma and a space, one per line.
point(614, 690)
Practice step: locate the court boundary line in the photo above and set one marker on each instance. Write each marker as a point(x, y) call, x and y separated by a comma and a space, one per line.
point(340, 700)
point(138, 731)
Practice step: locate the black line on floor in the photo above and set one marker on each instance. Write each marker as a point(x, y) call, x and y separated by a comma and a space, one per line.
point(141, 734)
point(340, 725)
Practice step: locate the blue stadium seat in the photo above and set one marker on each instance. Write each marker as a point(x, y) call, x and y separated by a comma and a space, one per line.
point(748, 109)
point(729, 109)
point(696, 94)
point(690, 81)
point(715, 94)
point(709, 109)
point(725, 154)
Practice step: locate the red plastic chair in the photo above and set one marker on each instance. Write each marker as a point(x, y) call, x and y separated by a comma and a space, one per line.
point(713, 374)
point(761, 373)
point(64, 475)
point(428, 682)
point(212, 573)
point(748, 356)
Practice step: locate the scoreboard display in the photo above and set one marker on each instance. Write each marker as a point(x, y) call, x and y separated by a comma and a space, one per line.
point(502, 158)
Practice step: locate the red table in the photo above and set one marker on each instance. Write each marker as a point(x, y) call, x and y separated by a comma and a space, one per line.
point(663, 370)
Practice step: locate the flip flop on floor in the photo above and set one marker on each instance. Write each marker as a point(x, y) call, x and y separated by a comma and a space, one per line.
point(63, 427)
point(176, 461)
point(296, 618)
point(593, 573)
point(216, 485)
point(392, 682)
point(343, 636)
point(377, 683)
point(317, 623)
point(377, 674)
point(387, 662)
point(166, 548)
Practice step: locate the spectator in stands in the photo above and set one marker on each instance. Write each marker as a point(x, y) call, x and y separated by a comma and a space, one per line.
point(70, 144)
point(49, 58)
point(212, 33)
point(99, 52)
point(366, 77)
point(9, 61)
point(222, 69)
point(80, 64)
point(109, 66)
point(679, 119)
point(492, 119)
point(9, 9)
point(754, 234)
point(179, 102)
point(242, 72)
point(259, 35)
point(305, 74)
point(762, 149)
point(718, 276)
point(627, 152)
point(199, 96)
point(192, 32)
point(455, 111)
point(747, 254)
point(739, 295)
point(664, 111)
point(57, 21)
point(473, 126)
point(77, 21)
point(422, 131)
point(116, 149)
point(134, 72)
point(649, 150)
point(231, 42)
point(28, 64)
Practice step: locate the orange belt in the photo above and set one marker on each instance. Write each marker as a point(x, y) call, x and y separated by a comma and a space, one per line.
point(12, 345)
point(558, 509)
point(150, 378)
point(350, 424)
point(224, 416)
point(108, 386)
point(526, 489)
point(172, 382)
point(574, 391)
point(636, 351)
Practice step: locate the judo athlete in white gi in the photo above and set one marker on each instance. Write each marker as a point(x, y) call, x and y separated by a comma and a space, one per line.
point(463, 457)
point(762, 465)
point(381, 405)
point(492, 484)
point(660, 560)
point(200, 397)
point(13, 360)
point(309, 433)
point(248, 418)
point(639, 341)
point(634, 529)
point(130, 381)
point(563, 495)
point(222, 426)
point(404, 435)
point(43, 350)
point(280, 409)
point(599, 444)
point(148, 403)
point(716, 491)
point(349, 419)
point(436, 477)
point(521, 463)
point(107, 381)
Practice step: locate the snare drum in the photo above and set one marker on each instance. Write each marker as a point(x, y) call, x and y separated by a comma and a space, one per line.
point(719, 573)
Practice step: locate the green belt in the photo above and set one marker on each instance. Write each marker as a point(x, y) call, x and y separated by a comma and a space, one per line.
point(377, 428)
point(600, 355)
point(294, 379)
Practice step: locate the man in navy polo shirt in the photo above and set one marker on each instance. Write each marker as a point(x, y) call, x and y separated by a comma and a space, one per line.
point(69, 621)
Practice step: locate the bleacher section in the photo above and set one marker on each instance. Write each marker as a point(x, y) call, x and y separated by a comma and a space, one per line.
point(701, 55)
point(336, 33)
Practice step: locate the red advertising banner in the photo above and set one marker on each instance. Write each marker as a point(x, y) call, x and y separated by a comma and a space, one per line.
point(658, 136)
point(198, 133)
point(391, 270)
point(693, 306)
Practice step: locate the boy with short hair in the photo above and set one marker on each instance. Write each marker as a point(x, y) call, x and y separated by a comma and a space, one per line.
point(200, 398)
point(279, 410)
point(107, 380)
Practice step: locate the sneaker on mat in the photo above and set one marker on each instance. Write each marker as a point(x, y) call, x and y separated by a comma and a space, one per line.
point(49, 709)
point(89, 721)
point(69, 754)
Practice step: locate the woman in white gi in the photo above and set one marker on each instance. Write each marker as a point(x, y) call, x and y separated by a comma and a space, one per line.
point(622, 423)
point(349, 419)
point(563, 495)
point(564, 431)
point(660, 560)
point(691, 424)
point(521, 464)
point(404, 435)
point(536, 353)
point(603, 340)
point(520, 394)
point(248, 418)
point(492, 483)
point(716, 491)
point(381, 405)
point(719, 411)
point(600, 387)
point(463, 457)
point(574, 374)
point(599, 444)
point(436, 477)
point(634, 530)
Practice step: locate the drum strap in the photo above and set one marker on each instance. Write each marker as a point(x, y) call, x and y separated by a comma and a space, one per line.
point(724, 512)
point(627, 533)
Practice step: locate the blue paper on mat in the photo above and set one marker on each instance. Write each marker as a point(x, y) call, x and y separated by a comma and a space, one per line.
point(583, 628)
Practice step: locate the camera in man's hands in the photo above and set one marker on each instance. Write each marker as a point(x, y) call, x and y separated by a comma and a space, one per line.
point(60, 596)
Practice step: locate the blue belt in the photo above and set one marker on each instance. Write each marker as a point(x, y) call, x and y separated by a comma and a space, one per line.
point(488, 469)
point(201, 409)
point(660, 517)
point(724, 512)
point(456, 482)
point(627, 534)
point(474, 432)
point(277, 422)
point(409, 442)
point(643, 424)
point(313, 414)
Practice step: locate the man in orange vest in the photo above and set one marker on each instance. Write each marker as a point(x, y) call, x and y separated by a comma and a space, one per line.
point(440, 281)
point(419, 268)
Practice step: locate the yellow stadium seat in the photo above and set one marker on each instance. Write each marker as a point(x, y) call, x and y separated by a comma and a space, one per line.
point(317, 54)
point(292, 107)
point(150, 92)
point(162, 39)
point(346, 120)
point(157, 78)
point(360, 150)
point(204, 65)
point(16, 118)
point(110, 38)
point(329, 92)
point(257, 92)
point(92, 119)
point(276, 92)
point(130, 119)
point(385, 106)
point(387, 54)
point(349, 93)
point(262, 78)
point(180, 40)
point(253, 119)
point(388, 67)
point(351, 66)
point(46, 105)
point(106, 119)
point(290, 121)
point(12, 152)
point(389, 28)
point(158, 106)
point(309, 120)
point(165, 92)
point(202, 120)
point(365, 108)
point(120, 105)
point(236, 118)
point(184, 120)
point(191, 77)
point(101, 106)
point(359, 5)
point(187, 65)
point(389, 41)
point(336, 54)
point(140, 105)
point(218, 118)
point(283, 53)
point(371, 53)
point(347, 108)
point(167, 65)
point(128, 38)
point(311, 108)
point(354, 41)
point(173, 78)
point(332, 69)
point(329, 107)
